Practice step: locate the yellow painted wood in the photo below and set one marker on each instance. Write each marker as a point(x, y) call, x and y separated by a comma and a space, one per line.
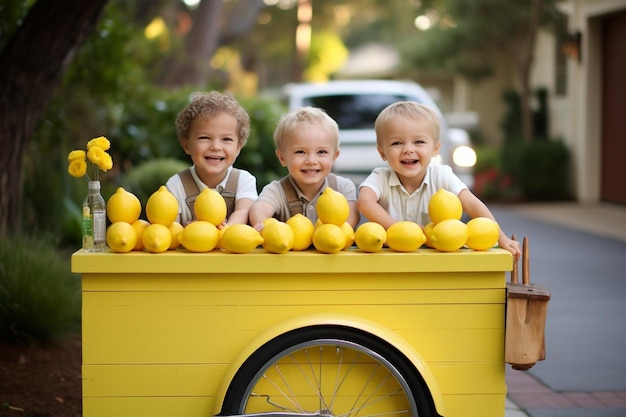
point(475, 405)
point(147, 406)
point(161, 330)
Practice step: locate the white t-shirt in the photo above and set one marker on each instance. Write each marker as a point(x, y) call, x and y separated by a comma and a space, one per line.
point(274, 194)
point(246, 188)
point(401, 205)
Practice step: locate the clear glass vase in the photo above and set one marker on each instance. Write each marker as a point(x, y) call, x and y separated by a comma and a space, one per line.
point(94, 219)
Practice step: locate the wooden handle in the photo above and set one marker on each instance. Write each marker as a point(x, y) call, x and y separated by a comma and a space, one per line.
point(514, 271)
point(525, 264)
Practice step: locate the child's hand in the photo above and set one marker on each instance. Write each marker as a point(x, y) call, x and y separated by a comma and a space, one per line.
point(259, 227)
point(511, 245)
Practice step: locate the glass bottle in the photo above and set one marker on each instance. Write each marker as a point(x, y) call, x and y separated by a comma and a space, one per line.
point(94, 219)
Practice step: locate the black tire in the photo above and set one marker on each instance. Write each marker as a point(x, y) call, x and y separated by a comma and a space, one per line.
point(328, 371)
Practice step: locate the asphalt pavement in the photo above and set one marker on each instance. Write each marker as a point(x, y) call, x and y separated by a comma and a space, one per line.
point(579, 252)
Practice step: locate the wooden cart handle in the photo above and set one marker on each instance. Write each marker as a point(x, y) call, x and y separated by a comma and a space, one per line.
point(525, 262)
point(514, 271)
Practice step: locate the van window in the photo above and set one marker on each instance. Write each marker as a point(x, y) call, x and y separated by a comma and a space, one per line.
point(352, 111)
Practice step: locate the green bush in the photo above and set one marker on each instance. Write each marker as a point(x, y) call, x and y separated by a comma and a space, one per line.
point(546, 173)
point(40, 298)
point(146, 178)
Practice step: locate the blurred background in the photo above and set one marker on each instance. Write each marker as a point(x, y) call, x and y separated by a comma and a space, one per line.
point(538, 84)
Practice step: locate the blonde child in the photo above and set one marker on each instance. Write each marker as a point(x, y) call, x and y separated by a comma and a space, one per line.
point(212, 129)
point(307, 144)
point(407, 137)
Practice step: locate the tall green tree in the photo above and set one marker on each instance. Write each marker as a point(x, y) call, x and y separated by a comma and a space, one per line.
point(32, 63)
point(467, 34)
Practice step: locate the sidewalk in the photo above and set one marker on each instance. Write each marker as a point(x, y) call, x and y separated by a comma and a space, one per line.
point(526, 392)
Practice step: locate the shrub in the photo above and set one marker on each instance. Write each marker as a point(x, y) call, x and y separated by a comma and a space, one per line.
point(546, 176)
point(147, 177)
point(40, 298)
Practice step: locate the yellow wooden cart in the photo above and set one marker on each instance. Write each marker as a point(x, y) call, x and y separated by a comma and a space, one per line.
point(299, 334)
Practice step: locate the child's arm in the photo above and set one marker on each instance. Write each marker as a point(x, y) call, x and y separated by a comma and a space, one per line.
point(474, 207)
point(368, 205)
point(354, 217)
point(260, 211)
point(240, 214)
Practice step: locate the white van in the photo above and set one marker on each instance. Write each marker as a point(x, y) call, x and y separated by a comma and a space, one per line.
point(355, 104)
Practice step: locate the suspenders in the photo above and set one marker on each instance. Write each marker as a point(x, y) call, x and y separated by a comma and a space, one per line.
point(192, 191)
point(293, 202)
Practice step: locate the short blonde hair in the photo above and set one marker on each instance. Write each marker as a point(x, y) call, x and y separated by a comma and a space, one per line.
point(410, 110)
point(210, 104)
point(305, 115)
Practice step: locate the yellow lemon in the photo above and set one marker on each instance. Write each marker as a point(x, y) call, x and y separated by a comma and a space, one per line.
point(139, 226)
point(444, 205)
point(329, 238)
point(349, 231)
point(162, 207)
point(175, 229)
point(123, 206)
point(157, 238)
point(241, 238)
point(278, 237)
point(332, 207)
point(318, 223)
point(121, 237)
point(210, 207)
point(303, 230)
point(405, 236)
point(449, 235)
point(269, 220)
point(220, 235)
point(370, 237)
point(427, 231)
point(482, 233)
point(199, 236)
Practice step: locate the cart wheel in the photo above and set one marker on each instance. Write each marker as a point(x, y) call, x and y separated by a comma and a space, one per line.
point(328, 371)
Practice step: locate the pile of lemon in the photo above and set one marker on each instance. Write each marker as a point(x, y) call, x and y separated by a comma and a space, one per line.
point(447, 233)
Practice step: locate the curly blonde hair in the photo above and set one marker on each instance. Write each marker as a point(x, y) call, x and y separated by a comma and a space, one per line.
point(209, 104)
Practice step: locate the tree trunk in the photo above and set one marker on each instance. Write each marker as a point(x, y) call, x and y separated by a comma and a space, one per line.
point(31, 67)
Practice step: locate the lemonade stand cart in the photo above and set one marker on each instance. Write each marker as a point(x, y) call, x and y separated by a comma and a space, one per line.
point(298, 334)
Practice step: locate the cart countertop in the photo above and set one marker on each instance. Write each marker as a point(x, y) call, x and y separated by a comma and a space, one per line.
point(260, 261)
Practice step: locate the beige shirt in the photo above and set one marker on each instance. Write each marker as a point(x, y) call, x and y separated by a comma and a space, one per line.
point(246, 188)
point(274, 194)
point(401, 205)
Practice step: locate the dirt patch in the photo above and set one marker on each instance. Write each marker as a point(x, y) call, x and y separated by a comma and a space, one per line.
point(42, 381)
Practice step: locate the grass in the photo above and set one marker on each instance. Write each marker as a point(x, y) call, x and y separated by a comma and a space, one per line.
point(40, 298)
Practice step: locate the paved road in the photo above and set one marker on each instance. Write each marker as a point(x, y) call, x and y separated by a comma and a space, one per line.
point(584, 373)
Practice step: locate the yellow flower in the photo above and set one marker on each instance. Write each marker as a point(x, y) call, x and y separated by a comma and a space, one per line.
point(100, 158)
point(96, 154)
point(77, 168)
point(74, 155)
point(99, 142)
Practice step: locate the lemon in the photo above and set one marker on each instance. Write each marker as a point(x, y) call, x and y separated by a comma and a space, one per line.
point(370, 237)
point(241, 238)
point(349, 232)
point(175, 229)
point(405, 236)
point(220, 236)
point(121, 237)
point(278, 237)
point(162, 207)
point(444, 205)
point(303, 230)
point(318, 223)
point(139, 226)
point(427, 231)
point(449, 235)
point(123, 206)
point(329, 238)
point(482, 233)
point(332, 207)
point(157, 238)
point(199, 236)
point(210, 207)
point(269, 220)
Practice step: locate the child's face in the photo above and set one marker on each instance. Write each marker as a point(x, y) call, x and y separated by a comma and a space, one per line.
point(408, 146)
point(309, 153)
point(213, 145)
